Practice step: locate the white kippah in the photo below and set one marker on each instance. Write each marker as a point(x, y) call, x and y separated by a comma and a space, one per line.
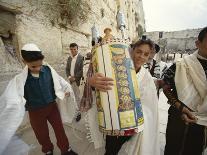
point(30, 47)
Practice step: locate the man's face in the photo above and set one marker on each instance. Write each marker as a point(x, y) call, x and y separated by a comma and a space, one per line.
point(202, 47)
point(140, 55)
point(34, 66)
point(74, 50)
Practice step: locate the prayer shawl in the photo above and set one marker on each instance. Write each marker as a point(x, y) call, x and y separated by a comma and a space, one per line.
point(191, 86)
point(156, 68)
point(17, 147)
point(146, 143)
point(12, 102)
point(149, 143)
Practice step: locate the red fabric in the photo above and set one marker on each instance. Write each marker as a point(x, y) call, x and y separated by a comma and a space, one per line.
point(38, 120)
point(130, 132)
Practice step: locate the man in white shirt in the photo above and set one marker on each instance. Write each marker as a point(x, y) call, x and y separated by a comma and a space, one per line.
point(74, 71)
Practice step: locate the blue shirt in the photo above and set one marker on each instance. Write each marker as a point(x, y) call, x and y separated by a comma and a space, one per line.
point(39, 91)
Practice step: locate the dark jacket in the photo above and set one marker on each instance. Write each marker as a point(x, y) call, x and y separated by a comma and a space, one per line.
point(78, 71)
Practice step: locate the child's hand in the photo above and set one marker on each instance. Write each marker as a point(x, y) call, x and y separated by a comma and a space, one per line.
point(100, 82)
point(67, 94)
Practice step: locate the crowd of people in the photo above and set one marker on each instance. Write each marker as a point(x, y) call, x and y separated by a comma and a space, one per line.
point(37, 87)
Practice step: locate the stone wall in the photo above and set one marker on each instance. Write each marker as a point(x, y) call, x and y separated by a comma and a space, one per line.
point(44, 23)
point(174, 34)
point(176, 41)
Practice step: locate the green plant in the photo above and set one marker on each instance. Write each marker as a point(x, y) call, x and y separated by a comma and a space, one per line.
point(140, 30)
point(66, 12)
point(73, 11)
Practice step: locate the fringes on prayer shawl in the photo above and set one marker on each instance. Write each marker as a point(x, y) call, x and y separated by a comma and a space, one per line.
point(87, 99)
point(87, 125)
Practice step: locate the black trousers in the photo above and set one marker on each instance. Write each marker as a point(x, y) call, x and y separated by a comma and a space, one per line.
point(182, 139)
point(114, 144)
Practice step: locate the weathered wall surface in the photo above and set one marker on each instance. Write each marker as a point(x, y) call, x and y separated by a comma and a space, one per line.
point(48, 24)
point(176, 41)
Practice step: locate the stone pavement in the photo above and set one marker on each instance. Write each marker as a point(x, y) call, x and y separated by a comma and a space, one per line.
point(163, 116)
point(78, 139)
point(77, 136)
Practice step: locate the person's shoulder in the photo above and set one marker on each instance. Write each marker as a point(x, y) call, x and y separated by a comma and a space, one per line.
point(172, 65)
point(145, 71)
point(170, 71)
point(147, 76)
point(162, 62)
point(81, 57)
point(20, 77)
point(46, 68)
point(69, 58)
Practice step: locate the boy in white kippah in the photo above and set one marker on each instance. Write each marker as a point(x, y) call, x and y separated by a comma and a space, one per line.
point(37, 88)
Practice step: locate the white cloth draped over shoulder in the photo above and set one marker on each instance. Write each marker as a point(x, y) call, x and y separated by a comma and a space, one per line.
point(146, 142)
point(191, 86)
point(12, 102)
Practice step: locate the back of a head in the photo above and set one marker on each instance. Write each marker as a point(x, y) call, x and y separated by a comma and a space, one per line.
point(202, 34)
point(30, 52)
point(74, 45)
point(144, 37)
point(157, 48)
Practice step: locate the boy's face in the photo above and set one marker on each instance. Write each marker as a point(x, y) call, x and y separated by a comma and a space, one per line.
point(34, 66)
point(140, 55)
point(202, 47)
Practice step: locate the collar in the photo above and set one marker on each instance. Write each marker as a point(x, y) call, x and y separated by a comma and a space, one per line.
point(42, 70)
point(75, 56)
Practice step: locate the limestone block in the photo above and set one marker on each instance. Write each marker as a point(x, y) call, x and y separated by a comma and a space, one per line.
point(48, 38)
point(70, 36)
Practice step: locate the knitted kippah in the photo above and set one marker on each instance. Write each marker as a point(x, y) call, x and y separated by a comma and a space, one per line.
point(30, 47)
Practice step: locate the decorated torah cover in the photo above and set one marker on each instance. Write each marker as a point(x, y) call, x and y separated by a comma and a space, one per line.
point(119, 110)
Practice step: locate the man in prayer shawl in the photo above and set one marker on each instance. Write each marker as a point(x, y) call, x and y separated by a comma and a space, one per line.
point(143, 143)
point(185, 86)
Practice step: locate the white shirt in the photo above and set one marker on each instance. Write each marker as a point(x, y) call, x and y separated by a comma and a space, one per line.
point(72, 67)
